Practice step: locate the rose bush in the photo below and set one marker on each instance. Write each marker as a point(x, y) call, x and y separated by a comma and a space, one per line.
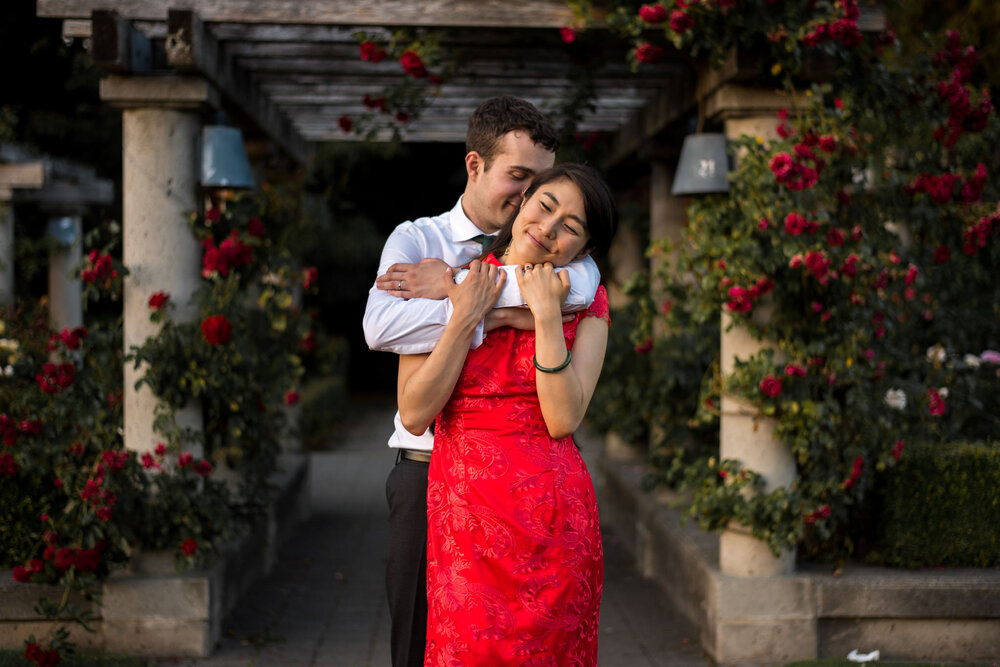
point(861, 243)
point(76, 502)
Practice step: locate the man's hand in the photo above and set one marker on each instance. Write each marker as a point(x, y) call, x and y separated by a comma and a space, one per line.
point(430, 279)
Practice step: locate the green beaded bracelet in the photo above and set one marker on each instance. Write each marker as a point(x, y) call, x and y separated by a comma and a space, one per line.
point(569, 358)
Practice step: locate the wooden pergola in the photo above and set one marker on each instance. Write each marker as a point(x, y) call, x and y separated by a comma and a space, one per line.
point(291, 69)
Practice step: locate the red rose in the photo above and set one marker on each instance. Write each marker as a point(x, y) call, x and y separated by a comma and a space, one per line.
point(22, 574)
point(942, 254)
point(402, 117)
point(813, 517)
point(345, 124)
point(795, 223)
point(680, 21)
point(203, 468)
point(771, 386)
point(653, 13)
point(255, 228)
point(855, 472)
point(216, 330)
point(897, 449)
point(412, 64)
point(648, 53)
point(189, 546)
point(937, 405)
point(309, 277)
point(291, 398)
point(31, 426)
point(567, 33)
point(158, 300)
point(8, 466)
point(148, 461)
point(371, 51)
point(185, 460)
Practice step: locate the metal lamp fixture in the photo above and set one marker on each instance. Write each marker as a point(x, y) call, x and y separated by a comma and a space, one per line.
point(224, 162)
point(64, 231)
point(702, 166)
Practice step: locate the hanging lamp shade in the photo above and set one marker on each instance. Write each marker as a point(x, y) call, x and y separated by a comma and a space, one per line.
point(702, 166)
point(224, 162)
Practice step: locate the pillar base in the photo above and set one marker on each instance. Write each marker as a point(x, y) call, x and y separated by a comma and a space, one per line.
point(743, 555)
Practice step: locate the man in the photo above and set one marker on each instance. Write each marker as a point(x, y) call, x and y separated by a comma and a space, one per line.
point(508, 141)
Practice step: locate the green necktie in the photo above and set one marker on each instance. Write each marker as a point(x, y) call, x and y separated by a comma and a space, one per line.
point(483, 239)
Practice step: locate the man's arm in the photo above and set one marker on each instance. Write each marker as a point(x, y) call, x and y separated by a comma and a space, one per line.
point(398, 325)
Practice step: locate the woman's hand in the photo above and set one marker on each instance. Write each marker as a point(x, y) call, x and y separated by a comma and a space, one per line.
point(543, 289)
point(475, 296)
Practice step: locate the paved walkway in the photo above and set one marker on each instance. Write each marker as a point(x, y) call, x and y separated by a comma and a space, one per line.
point(324, 603)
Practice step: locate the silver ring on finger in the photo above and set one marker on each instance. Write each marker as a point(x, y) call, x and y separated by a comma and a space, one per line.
point(399, 285)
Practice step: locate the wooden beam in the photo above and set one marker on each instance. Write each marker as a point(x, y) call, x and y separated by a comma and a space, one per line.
point(22, 175)
point(117, 46)
point(479, 13)
point(190, 47)
point(671, 104)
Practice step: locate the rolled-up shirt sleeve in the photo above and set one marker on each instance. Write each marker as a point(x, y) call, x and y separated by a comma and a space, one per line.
point(405, 326)
point(584, 277)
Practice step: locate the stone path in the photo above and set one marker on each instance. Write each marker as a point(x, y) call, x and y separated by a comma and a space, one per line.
point(324, 603)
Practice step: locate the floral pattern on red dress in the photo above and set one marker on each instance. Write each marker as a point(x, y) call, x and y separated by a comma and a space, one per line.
point(514, 556)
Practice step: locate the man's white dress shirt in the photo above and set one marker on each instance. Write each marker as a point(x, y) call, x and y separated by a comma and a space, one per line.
point(414, 326)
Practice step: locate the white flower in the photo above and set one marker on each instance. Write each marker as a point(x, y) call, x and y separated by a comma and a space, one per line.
point(8, 370)
point(895, 399)
point(972, 361)
point(937, 353)
point(943, 392)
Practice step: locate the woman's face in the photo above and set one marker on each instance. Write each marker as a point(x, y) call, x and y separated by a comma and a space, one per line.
point(550, 227)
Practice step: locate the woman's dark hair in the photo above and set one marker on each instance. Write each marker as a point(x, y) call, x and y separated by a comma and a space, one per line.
point(598, 206)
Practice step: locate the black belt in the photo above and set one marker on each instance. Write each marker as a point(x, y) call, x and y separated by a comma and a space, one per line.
point(417, 455)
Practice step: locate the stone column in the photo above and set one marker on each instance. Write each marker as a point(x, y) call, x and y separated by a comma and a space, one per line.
point(6, 252)
point(667, 217)
point(160, 133)
point(65, 294)
point(743, 433)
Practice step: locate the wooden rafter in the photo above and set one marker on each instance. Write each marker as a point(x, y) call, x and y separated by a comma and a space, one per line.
point(294, 69)
point(426, 13)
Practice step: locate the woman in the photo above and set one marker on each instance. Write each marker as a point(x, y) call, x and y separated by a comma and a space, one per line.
point(514, 560)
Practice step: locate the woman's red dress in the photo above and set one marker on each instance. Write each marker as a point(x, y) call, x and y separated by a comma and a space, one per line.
point(514, 557)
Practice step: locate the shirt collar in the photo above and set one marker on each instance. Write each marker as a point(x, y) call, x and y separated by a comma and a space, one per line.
point(462, 229)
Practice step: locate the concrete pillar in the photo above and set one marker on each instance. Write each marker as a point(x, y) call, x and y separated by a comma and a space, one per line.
point(65, 292)
point(6, 252)
point(743, 433)
point(160, 161)
point(667, 219)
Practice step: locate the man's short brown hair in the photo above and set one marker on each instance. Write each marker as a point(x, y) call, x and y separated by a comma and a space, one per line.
point(499, 115)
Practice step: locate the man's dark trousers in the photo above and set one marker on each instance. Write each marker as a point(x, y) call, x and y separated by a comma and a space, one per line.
point(406, 566)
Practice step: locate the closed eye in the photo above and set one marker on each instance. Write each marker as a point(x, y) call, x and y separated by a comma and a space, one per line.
point(572, 230)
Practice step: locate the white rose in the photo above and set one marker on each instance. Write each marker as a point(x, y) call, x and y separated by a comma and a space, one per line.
point(943, 392)
point(937, 353)
point(895, 399)
point(972, 361)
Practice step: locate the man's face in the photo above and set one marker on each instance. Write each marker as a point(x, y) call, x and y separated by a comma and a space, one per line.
point(493, 195)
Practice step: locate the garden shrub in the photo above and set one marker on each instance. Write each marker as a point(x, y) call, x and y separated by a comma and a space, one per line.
point(859, 244)
point(941, 506)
